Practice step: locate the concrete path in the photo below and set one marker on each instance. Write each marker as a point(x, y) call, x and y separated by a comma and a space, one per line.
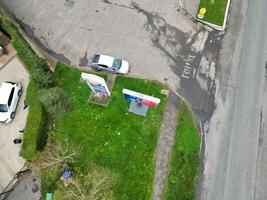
point(261, 175)
point(165, 143)
point(29, 188)
point(191, 6)
point(10, 160)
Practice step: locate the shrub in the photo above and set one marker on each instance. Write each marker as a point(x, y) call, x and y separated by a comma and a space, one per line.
point(55, 101)
point(37, 67)
point(35, 123)
point(42, 78)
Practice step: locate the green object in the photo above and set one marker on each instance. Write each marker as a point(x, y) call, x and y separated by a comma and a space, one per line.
point(110, 136)
point(215, 10)
point(49, 196)
point(185, 159)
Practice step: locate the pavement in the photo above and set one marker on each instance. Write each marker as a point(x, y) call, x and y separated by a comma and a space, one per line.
point(191, 6)
point(235, 146)
point(165, 143)
point(11, 162)
point(261, 173)
point(158, 38)
point(28, 188)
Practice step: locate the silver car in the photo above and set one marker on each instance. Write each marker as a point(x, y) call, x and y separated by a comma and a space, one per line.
point(109, 63)
point(9, 96)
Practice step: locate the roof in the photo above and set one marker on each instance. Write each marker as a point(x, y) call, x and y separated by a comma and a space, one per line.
point(4, 92)
point(107, 60)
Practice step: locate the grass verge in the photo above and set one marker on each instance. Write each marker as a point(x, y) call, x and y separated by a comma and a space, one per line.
point(215, 10)
point(184, 161)
point(110, 136)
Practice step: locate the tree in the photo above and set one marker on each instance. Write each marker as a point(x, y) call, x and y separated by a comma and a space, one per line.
point(96, 184)
point(59, 155)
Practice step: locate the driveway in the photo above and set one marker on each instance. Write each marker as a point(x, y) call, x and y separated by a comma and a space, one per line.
point(159, 40)
point(11, 162)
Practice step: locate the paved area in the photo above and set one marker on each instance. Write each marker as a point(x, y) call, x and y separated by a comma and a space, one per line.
point(28, 188)
point(165, 143)
point(235, 148)
point(191, 6)
point(261, 176)
point(11, 162)
point(158, 39)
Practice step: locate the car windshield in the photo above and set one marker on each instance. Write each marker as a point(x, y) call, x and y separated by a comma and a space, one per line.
point(116, 64)
point(3, 108)
point(96, 58)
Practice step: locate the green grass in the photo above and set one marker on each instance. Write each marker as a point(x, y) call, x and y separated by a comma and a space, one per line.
point(215, 10)
point(111, 136)
point(184, 161)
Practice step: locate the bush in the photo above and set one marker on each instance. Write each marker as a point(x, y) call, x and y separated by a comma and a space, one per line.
point(55, 101)
point(42, 78)
point(37, 67)
point(42, 132)
point(35, 123)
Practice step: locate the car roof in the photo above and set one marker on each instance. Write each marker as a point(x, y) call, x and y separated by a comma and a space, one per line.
point(4, 92)
point(106, 60)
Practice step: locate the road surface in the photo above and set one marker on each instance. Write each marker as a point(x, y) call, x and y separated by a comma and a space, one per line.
point(233, 154)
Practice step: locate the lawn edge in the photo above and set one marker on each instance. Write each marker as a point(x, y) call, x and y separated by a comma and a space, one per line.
point(170, 167)
point(216, 26)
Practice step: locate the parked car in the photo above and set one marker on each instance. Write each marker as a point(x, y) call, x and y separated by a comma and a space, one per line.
point(9, 96)
point(111, 64)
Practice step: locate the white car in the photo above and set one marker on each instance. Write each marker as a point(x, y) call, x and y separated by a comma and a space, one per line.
point(111, 64)
point(9, 96)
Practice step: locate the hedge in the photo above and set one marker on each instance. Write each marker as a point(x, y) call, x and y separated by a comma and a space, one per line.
point(41, 77)
point(37, 67)
point(35, 123)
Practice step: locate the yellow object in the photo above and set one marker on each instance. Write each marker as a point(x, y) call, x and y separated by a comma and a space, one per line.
point(201, 13)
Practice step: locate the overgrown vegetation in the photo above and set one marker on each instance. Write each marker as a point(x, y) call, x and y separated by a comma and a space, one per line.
point(59, 155)
point(96, 184)
point(55, 101)
point(185, 159)
point(215, 10)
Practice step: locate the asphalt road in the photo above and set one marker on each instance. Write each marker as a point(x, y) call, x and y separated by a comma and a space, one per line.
point(235, 164)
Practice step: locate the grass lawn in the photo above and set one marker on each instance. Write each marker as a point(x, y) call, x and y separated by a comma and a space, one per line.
point(215, 10)
point(111, 136)
point(184, 161)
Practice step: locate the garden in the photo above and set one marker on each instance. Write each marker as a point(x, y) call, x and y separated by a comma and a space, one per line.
point(109, 137)
point(215, 11)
